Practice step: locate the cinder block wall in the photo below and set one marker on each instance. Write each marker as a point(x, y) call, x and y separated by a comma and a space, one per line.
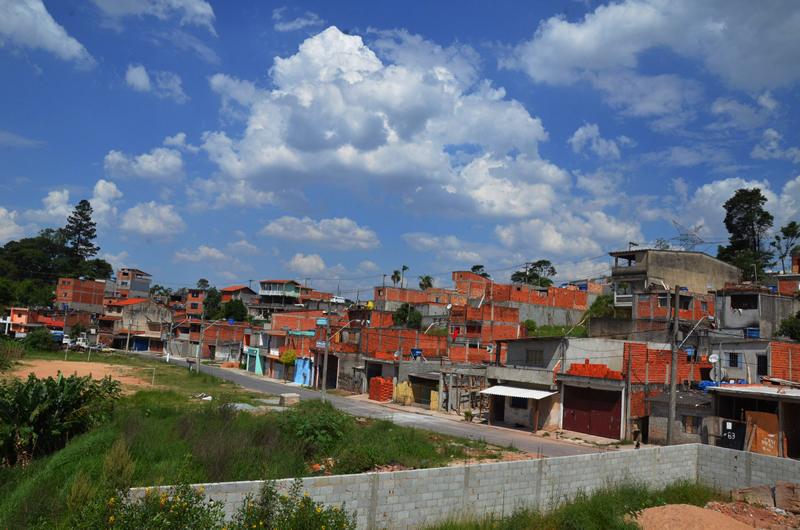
point(406, 499)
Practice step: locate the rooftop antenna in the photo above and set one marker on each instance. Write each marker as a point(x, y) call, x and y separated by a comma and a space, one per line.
point(687, 237)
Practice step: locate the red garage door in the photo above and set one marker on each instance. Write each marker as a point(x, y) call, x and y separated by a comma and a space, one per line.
point(592, 411)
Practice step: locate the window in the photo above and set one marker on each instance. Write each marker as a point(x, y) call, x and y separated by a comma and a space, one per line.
point(662, 300)
point(643, 297)
point(534, 357)
point(195, 294)
point(543, 293)
point(380, 293)
point(519, 403)
point(63, 282)
point(734, 360)
point(436, 300)
point(762, 365)
point(65, 295)
point(685, 302)
point(194, 306)
point(744, 301)
point(692, 424)
point(703, 306)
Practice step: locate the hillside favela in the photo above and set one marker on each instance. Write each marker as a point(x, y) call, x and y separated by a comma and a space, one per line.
point(399, 265)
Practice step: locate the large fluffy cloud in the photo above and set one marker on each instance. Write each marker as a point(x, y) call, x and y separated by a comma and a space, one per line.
point(27, 23)
point(750, 45)
point(151, 219)
point(337, 233)
point(56, 209)
point(104, 199)
point(418, 124)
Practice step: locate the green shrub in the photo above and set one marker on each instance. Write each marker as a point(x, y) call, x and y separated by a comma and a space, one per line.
point(39, 416)
point(291, 511)
point(41, 339)
point(356, 460)
point(288, 357)
point(10, 351)
point(316, 425)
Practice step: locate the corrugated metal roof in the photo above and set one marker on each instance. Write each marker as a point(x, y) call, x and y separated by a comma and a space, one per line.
point(513, 391)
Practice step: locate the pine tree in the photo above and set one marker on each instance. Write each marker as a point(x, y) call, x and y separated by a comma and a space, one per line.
point(81, 231)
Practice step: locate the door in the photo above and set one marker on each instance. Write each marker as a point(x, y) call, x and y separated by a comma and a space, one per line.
point(498, 408)
point(592, 411)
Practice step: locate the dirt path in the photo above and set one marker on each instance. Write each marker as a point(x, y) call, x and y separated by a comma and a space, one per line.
point(44, 368)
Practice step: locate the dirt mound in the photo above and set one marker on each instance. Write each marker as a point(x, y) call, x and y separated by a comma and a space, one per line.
point(686, 517)
point(229, 365)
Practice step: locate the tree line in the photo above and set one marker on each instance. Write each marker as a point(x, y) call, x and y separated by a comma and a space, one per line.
point(30, 267)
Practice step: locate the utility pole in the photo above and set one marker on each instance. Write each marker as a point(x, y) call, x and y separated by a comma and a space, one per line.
point(128, 340)
point(673, 370)
point(202, 332)
point(325, 355)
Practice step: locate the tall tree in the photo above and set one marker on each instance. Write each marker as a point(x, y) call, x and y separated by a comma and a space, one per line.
point(212, 304)
point(478, 269)
point(785, 243)
point(81, 231)
point(202, 283)
point(396, 277)
point(425, 282)
point(403, 270)
point(537, 273)
point(747, 222)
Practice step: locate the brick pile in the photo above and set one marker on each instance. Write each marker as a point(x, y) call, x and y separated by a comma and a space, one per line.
point(594, 370)
point(381, 389)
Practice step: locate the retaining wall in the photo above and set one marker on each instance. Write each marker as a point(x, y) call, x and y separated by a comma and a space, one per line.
point(405, 499)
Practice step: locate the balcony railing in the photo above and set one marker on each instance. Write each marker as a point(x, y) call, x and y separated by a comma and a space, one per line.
point(265, 292)
point(623, 300)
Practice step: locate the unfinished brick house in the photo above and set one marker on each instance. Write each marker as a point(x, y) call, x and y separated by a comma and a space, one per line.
point(133, 283)
point(77, 293)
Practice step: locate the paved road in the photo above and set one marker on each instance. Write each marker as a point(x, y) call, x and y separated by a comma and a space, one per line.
point(495, 435)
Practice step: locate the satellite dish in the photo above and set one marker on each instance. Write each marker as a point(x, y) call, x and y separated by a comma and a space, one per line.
point(397, 354)
point(449, 306)
point(713, 358)
point(713, 374)
point(490, 349)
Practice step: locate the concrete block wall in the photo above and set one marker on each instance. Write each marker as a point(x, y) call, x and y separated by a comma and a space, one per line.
point(405, 499)
point(728, 469)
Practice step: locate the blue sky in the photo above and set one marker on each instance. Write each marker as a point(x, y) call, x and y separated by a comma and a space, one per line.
point(338, 141)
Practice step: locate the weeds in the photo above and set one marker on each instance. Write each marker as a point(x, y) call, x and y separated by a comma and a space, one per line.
point(611, 508)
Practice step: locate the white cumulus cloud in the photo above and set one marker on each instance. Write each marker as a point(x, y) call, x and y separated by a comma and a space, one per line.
point(589, 134)
point(56, 209)
point(104, 199)
point(311, 264)
point(152, 219)
point(338, 233)
point(9, 228)
point(161, 164)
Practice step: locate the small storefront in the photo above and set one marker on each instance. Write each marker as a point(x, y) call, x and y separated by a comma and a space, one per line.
point(516, 405)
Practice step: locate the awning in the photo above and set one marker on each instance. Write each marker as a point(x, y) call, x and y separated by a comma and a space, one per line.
point(276, 332)
point(513, 391)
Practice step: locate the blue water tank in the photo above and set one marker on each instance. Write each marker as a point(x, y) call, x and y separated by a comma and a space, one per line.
point(684, 289)
point(773, 288)
point(751, 333)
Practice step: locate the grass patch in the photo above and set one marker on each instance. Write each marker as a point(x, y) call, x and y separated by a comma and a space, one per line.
point(609, 508)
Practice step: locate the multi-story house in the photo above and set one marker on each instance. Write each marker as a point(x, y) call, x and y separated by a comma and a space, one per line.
point(77, 293)
point(133, 283)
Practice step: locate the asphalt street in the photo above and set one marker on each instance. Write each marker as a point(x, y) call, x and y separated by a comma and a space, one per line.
point(501, 436)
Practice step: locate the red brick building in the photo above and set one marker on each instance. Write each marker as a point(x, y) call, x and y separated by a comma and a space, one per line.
point(77, 293)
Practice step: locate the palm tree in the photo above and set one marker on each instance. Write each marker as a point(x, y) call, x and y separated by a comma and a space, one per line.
point(425, 282)
point(395, 278)
point(403, 270)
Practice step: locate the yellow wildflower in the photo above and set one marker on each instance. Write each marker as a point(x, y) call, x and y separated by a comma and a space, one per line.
point(250, 505)
point(335, 508)
point(319, 510)
point(202, 489)
point(111, 519)
point(306, 494)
